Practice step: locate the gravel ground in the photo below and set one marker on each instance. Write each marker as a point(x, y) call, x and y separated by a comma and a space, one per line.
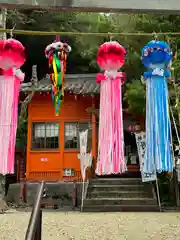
point(91, 226)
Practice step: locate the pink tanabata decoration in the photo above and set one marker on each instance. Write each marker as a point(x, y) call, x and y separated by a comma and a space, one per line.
point(11, 58)
point(110, 58)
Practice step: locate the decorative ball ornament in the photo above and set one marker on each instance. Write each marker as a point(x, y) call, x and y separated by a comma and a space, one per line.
point(156, 53)
point(56, 53)
point(57, 47)
point(2, 43)
point(111, 56)
point(12, 54)
point(16, 52)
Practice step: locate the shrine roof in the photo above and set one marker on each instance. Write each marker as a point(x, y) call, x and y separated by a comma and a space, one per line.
point(84, 84)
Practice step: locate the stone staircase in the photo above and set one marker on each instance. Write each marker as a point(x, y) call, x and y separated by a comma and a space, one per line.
point(120, 194)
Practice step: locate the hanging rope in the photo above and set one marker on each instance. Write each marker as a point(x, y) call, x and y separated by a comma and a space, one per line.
point(177, 134)
point(175, 126)
point(177, 102)
point(177, 98)
point(98, 34)
point(155, 36)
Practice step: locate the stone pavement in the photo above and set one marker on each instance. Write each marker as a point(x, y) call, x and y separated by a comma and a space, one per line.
point(94, 226)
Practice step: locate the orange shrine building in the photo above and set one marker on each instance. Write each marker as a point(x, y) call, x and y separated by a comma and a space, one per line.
point(53, 141)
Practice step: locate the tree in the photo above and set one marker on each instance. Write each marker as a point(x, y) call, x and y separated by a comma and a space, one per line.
point(134, 98)
point(84, 48)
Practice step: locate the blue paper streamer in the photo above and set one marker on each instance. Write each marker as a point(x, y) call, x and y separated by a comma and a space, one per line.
point(156, 56)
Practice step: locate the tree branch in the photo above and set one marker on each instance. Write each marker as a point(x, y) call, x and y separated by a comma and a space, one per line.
point(94, 111)
point(24, 105)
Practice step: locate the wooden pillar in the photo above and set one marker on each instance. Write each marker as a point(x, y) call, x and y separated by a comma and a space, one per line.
point(94, 136)
point(17, 159)
point(23, 190)
point(61, 163)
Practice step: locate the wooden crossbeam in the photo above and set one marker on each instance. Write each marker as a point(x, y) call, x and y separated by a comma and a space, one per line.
point(138, 6)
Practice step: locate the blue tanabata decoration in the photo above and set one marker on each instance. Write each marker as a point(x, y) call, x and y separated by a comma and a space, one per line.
point(156, 57)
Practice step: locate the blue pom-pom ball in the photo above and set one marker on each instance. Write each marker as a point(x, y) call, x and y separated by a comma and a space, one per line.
point(156, 53)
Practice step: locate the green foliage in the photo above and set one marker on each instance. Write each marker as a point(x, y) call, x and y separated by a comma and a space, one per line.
point(134, 97)
point(176, 65)
point(21, 135)
point(84, 48)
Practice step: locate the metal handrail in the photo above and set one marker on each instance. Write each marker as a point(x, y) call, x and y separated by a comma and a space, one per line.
point(35, 222)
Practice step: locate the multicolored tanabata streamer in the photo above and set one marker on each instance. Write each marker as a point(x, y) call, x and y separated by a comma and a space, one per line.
point(156, 56)
point(12, 56)
point(57, 56)
point(110, 58)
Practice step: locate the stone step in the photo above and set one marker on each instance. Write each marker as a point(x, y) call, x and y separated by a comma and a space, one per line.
point(121, 208)
point(119, 201)
point(118, 188)
point(116, 181)
point(127, 194)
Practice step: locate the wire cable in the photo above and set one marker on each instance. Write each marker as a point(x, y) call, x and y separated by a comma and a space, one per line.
point(97, 34)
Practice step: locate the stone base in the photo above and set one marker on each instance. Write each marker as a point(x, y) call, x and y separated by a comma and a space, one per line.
point(120, 194)
point(58, 193)
point(13, 195)
point(3, 206)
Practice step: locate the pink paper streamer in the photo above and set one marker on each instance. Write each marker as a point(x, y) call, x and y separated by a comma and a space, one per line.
point(111, 138)
point(9, 94)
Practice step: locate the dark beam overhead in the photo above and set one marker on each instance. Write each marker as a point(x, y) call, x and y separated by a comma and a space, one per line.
point(138, 6)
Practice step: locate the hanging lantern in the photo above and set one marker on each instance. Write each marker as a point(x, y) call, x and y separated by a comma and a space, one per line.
point(12, 57)
point(156, 56)
point(110, 58)
point(57, 56)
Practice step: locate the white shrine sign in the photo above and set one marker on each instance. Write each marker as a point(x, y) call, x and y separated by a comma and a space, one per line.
point(85, 158)
point(141, 147)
